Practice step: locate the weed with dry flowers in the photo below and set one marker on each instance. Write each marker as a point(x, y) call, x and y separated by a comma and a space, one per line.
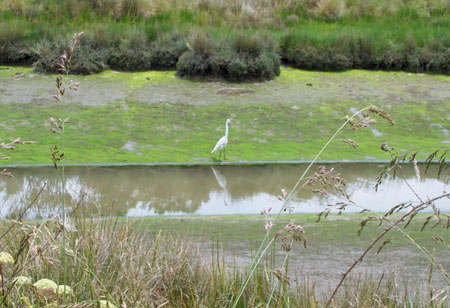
point(330, 179)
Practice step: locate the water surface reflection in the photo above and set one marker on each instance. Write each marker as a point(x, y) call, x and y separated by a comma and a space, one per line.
point(146, 191)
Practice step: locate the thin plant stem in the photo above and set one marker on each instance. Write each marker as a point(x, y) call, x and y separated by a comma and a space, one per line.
point(286, 257)
point(372, 244)
point(257, 258)
point(422, 249)
point(427, 254)
point(409, 186)
point(3, 280)
point(23, 213)
point(63, 213)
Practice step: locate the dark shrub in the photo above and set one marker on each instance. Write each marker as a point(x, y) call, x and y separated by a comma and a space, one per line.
point(306, 56)
point(192, 64)
point(133, 53)
point(126, 59)
point(259, 55)
point(264, 67)
point(88, 61)
point(13, 49)
point(237, 70)
point(435, 57)
point(337, 61)
point(196, 60)
point(167, 49)
point(362, 52)
point(17, 54)
point(391, 59)
point(47, 54)
point(201, 44)
point(358, 52)
point(219, 62)
point(85, 60)
point(240, 58)
point(300, 52)
point(273, 62)
point(251, 45)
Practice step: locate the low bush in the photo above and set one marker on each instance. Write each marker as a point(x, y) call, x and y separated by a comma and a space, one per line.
point(352, 51)
point(12, 48)
point(125, 59)
point(242, 57)
point(196, 61)
point(313, 58)
point(132, 54)
point(86, 59)
point(17, 54)
point(192, 64)
point(167, 49)
point(99, 50)
point(158, 41)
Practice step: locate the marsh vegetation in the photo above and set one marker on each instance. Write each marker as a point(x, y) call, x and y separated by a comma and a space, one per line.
point(235, 40)
point(71, 256)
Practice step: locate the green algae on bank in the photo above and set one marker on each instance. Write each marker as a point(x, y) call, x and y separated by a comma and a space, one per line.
point(136, 132)
point(153, 117)
point(137, 79)
point(8, 71)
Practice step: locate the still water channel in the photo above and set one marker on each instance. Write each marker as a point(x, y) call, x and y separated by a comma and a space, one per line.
point(202, 190)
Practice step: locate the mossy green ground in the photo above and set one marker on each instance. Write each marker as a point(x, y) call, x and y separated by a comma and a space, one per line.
point(155, 117)
point(332, 244)
point(229, 229)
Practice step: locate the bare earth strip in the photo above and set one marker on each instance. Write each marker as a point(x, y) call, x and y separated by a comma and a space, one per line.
point(21, 85)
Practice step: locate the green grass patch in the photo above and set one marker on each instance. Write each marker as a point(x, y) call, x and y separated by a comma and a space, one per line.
point(267, 128)
point(186, 133)
point(231, 229)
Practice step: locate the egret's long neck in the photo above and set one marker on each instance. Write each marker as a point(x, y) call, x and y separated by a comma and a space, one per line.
point(226, 129)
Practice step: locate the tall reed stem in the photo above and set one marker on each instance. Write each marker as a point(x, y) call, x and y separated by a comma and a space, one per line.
point(257, 258)
point(63, 213)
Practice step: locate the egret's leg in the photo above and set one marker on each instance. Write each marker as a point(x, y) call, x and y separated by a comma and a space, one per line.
point(224, 154)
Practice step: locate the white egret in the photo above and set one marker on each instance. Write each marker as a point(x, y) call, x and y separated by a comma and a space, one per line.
point(222, 143)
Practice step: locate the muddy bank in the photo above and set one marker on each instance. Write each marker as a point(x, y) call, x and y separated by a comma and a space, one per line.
point(22, 85)
point(332, 246)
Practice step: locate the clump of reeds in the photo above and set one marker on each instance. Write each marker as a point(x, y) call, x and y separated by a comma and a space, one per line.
point(111, 260)
point(323, 9)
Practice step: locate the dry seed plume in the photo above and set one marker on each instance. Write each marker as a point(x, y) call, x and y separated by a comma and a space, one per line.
point(382, 113)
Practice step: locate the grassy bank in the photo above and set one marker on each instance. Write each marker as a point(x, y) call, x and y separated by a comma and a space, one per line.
point(245, 229)
point(142, 263)
point(155, 117)
point(229, 39)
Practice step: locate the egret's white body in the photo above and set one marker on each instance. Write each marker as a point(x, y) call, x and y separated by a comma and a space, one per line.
point(222, 143)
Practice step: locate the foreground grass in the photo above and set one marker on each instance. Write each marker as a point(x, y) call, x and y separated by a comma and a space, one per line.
point(158, 118)
point(143, 264)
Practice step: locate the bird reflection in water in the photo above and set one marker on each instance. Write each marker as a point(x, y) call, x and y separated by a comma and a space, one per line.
point(222, 181)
